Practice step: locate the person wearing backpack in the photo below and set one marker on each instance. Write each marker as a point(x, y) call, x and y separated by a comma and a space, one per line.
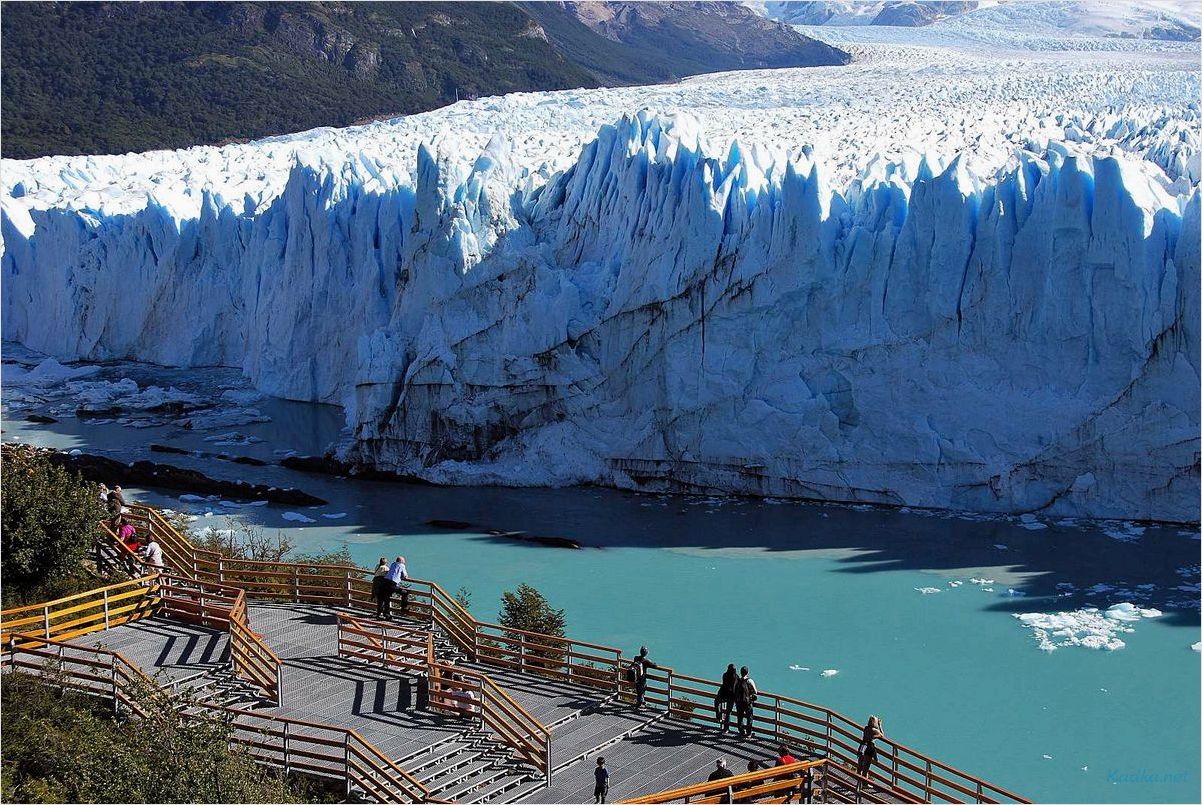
point(745, 695)
point(636, 674)
point(724, 702)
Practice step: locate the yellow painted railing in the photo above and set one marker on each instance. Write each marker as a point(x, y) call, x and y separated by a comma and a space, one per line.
point(763, 785)
point(813, 728)
point(85, 612)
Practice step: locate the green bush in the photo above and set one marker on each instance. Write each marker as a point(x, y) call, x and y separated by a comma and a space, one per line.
point(68, 747)
point(49, 520)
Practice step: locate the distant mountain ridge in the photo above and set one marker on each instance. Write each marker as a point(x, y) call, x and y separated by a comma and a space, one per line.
point(1172, 20)
point(113, 77)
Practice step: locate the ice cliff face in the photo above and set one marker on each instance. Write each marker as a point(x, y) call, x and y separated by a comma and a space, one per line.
point(661, 317)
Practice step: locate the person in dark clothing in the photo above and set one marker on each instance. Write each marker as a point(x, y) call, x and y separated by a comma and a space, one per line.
point(866, 751)
point(752, 765)
point(720, 772)
point(745, 695)
point(601, 775)
point(377, 587)
point(724, 702)
point(636, 674)
point(807, 787)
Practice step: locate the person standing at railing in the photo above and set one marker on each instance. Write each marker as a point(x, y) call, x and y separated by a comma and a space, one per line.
point(724, 702)
point(636, 674)
point(745, 695)
point(396, 575)
point(377, 588)
point(866, 751)
point(601, 787)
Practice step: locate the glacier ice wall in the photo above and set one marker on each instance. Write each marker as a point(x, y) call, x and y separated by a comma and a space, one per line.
point(657, 317)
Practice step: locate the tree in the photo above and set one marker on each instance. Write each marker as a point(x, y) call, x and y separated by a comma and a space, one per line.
point(49, 519)
point(528, 610)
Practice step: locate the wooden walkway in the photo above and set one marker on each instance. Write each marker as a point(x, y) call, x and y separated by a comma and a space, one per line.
point(645, 751)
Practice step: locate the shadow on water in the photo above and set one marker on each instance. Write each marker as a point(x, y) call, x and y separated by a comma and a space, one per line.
point(1056, 567)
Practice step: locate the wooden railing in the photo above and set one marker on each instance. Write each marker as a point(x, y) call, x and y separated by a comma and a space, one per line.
point(286, 743)
point(815, 729)
point(452, 689)
point(79, 614)
point(764, 785)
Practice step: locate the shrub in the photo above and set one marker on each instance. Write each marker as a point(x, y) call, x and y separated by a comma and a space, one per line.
point(68, 747)
point(49, 520)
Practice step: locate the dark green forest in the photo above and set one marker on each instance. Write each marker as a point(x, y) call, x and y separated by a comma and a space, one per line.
point(115, 77)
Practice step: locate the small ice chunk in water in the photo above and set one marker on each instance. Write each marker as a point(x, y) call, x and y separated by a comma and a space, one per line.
point(796, 667)
point(1197, 646)
point(927, 590)
point(335, 516)
point(829, 672)
point(297, 517)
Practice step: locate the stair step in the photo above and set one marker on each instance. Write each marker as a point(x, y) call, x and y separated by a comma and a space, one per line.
point(494, 790)
point(518, 792)
point(495, 780)
point(445, 765)
point(463, 775)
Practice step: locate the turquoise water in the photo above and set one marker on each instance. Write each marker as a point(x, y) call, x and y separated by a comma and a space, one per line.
point(704, 582)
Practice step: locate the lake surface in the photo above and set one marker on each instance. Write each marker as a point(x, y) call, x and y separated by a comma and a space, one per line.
point(789, 589)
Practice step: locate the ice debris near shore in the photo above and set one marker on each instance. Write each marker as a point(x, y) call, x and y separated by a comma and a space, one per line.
point(1007, 322)
point(1088, 628)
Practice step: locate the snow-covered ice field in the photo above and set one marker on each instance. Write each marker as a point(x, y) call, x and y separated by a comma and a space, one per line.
point(960, 272)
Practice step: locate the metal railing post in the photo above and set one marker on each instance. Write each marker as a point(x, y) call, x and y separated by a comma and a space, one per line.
point(346, 760)
point(348, 588)
point(287, 766)
point(776, 718)
point(46, 620)
point(295, 584)
point(106, 609)
point(113, 675)
point(279, 685)
point(220, 570)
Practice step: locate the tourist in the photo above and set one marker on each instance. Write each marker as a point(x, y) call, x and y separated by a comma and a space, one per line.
point(601, 787)
point(377, 587)
point(720, 772)
point(397, 573)
point(785, 758)
point(153, 554)
point(866, 751)
point(117, 500)
point(636, 674)
point(752, 766)
point(807, 786)
point(104, 494)
point(745, 695)
point(724, 702)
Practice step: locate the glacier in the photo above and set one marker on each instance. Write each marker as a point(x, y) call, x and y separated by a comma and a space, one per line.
point(1004, 319)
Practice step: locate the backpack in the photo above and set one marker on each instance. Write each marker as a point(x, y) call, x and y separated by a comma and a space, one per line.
point(745, 690)
point(634, 671)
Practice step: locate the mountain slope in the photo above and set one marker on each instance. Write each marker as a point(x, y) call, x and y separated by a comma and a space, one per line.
point(111, 77)
point(641, 42)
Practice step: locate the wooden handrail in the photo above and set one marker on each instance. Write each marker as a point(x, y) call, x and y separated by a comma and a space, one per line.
point(685, 793)
point(124, 675)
